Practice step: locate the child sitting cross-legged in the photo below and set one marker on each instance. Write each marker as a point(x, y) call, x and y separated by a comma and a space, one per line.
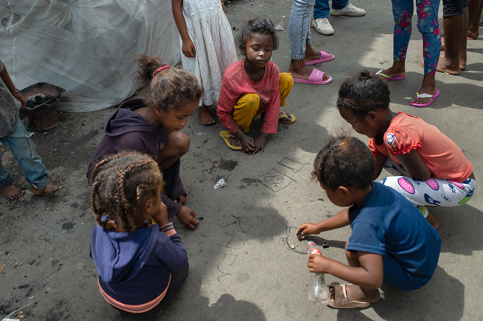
point(139, 256)
point(251, 87)
point(390, 243)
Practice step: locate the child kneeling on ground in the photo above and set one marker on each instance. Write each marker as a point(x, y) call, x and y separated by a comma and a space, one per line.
point(390, 243)
point(251, 87)
point(139, 256)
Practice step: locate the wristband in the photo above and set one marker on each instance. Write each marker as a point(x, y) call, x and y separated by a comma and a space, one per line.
point(14, 93)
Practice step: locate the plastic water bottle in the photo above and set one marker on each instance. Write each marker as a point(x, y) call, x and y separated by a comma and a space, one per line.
point(319, 293)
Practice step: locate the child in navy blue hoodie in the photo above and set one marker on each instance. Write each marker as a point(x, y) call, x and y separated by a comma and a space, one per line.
point(139, 256)
point(152, 126)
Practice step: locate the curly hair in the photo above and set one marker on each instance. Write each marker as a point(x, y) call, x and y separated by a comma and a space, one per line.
point(344, 161)
point(363, 93)
point(120, 186)
point(260, 27)
point(169, 88)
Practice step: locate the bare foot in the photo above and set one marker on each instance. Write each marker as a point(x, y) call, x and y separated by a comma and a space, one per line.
point(205, 116)
point(12, 192)
point(472, 35)
point(417, 100)
point(234, 141)
point(48, 189)
point(313, 56)
point(463, 63)
point(445, 65)
point(285, 118)
point(355, 293)
point(432, 220)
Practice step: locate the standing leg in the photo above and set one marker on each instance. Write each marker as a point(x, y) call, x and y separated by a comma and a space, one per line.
point(7, 188)
point(299, 34)
point(23, 149)
point(428, 25)
point(463, 44)
point(474, 9)
point(454, 31)
point(346, 8)
point(205, 116)
point(321, 18)
point(402, 11)
point(453, 27)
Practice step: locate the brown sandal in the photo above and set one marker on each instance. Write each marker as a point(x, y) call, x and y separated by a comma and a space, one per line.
point(339, 300)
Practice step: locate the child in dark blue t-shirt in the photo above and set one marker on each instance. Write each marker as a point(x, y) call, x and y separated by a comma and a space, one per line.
point(390, 243)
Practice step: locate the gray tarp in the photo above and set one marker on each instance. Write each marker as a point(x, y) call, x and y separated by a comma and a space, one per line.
point(84, 46)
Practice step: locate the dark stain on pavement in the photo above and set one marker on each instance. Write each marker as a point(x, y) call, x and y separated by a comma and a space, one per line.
point(228, 164)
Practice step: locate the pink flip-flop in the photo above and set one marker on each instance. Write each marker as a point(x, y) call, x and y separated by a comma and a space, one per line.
point(315, 78)
point(324, 56)
point(433, 97)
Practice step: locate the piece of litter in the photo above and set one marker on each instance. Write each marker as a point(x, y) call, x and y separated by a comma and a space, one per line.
point(292, 246)
point(7, 319)
point(278, 28)
point(201, 218)
point(2, 267)
point(220, 183)
point(32, 262)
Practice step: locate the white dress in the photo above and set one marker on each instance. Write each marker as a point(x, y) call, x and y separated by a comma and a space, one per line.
point(211, 34)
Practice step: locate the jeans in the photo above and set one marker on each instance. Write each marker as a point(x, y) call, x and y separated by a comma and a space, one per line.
point(322, 8)
point(299, 27)
point(23, 149)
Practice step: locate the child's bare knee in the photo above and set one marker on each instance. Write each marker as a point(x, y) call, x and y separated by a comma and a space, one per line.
point(181, 141)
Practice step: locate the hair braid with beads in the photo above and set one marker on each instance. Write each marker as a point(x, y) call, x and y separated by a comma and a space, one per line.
point(121, 184)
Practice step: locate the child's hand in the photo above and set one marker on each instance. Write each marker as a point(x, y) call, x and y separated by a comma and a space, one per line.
point(318, 263)
point(248, 144)
point(189, 49)
point(20, 98)
point(186, 216)
point(260, 143)
point(306, 229)
point(161, 216)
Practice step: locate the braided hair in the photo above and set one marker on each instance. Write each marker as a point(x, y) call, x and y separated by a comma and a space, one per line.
point(169, 88)
point(344, 161)
point(120, 186)
point(363, 93)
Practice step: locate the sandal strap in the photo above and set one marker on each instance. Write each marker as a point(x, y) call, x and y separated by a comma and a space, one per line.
point(424, 95)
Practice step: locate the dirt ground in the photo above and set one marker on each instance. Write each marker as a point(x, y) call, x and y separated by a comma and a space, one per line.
point(245, 261)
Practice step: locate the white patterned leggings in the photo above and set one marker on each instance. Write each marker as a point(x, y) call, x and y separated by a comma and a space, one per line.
point(432, 192)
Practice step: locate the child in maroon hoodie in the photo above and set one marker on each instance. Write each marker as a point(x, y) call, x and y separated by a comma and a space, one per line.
point(151, 126)
point(140, 264)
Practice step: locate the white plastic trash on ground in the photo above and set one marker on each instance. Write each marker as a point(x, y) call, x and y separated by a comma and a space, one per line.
point(220, 183)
